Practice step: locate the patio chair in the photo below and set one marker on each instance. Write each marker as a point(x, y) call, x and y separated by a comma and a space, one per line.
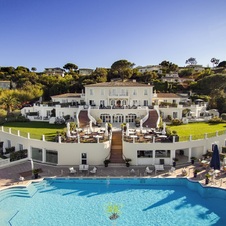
point(172, 170)
point(21, 178)
point(148, 171)
point(159, 168)
point(94, 170)
point(132, 172)
point(72, 170)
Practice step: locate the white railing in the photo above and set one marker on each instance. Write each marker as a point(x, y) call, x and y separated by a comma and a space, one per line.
point(4, 161)
point(146, 116)
point(92, 119)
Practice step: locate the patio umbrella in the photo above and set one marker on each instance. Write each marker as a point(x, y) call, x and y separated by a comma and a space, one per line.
point(164, 128)
point(141, 124)
point(215, 161)
point(68, 130)
point(106, 129)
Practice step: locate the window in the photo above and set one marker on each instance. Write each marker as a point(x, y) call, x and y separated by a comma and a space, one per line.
point(102, 92)
point(134, 92)
point(90, 92)
point(101, 103)
point(174, 114)
point(9, 143)
point(145, 102)
point(145, 154)
point(51, 156)
point(84, 158)
point(114, 92)
point(162, 153)
point(131, 118)
point(36, 153)
point(135, 102)
point(91, 102)
point(21, 147)
point(145, 92)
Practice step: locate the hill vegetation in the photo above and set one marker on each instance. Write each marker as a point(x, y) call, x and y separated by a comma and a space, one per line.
point(28, 85)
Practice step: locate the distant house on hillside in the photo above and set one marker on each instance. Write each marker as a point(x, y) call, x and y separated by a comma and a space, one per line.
point(156, 68)
point(174, 77)
point(54, 71)
point(4, 84)
point(85, 71)
point(196, 67)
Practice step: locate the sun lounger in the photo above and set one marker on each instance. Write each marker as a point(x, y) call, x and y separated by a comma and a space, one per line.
point(148, 171)
point(72, 170)
point(94, 170)
point(83, 167)
point(159, 168)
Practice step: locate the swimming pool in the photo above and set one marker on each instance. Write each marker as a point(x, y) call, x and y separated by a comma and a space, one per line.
point(138, 202)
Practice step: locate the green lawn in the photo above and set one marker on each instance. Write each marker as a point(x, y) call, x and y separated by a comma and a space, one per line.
point(36, 129)
point(198, 130)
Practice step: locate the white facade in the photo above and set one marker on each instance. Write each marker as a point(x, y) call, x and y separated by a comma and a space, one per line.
point(119, 94)
point(95, 153)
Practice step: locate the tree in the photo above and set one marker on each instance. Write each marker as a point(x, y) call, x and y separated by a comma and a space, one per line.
point(70, 67)
point(218, 100)
point(186, 72)
point(122, 69)
point(214, 61)
point(148, 76)
point(222, 64)
point(22, 69)
point(169, 66)
point(8, 70)
point(8, 100)
point(33, 69)
point(100, 75)
point(191, 61)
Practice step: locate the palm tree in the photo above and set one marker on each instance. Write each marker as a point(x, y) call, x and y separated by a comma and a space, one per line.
point(214, 61)
point(8, 100)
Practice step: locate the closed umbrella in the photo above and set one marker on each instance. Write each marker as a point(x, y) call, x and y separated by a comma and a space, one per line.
point(215, 161)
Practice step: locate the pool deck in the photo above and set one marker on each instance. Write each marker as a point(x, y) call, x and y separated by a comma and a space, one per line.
point(9, 176)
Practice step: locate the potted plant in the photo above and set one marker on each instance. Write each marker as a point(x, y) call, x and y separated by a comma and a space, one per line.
point(36, 173)
point(137, 122)
point(127, 161)
point(193, 160)
point(174, 161)
point(99, 122)
point(109, 127)
point(207, 178)
point(195, 172)
point(106, 162)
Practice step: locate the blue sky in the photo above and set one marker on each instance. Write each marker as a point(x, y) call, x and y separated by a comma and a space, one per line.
point(96, 33)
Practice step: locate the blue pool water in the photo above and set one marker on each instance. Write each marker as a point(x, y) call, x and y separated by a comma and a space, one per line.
point(141, 202)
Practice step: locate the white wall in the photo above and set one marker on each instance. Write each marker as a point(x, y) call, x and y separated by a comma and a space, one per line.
point(68, 153)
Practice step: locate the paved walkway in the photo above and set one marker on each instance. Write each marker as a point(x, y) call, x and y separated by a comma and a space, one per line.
point(9, 176)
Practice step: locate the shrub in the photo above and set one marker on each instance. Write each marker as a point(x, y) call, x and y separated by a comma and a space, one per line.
point(176, 122)
point(215, 120)
point(223, 116)
point(9, 150)
point(223, 149)
point(18, 155)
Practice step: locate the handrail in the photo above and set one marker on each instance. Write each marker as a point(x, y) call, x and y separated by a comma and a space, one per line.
point(92, 119)
point(157, 110)
point(144, 119)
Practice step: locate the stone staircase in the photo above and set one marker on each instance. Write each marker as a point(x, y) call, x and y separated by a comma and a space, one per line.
point(116, 148)
point(152, 119)
point(83, 119)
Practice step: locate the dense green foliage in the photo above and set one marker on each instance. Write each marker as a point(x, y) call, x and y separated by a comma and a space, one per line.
point(29, 85)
